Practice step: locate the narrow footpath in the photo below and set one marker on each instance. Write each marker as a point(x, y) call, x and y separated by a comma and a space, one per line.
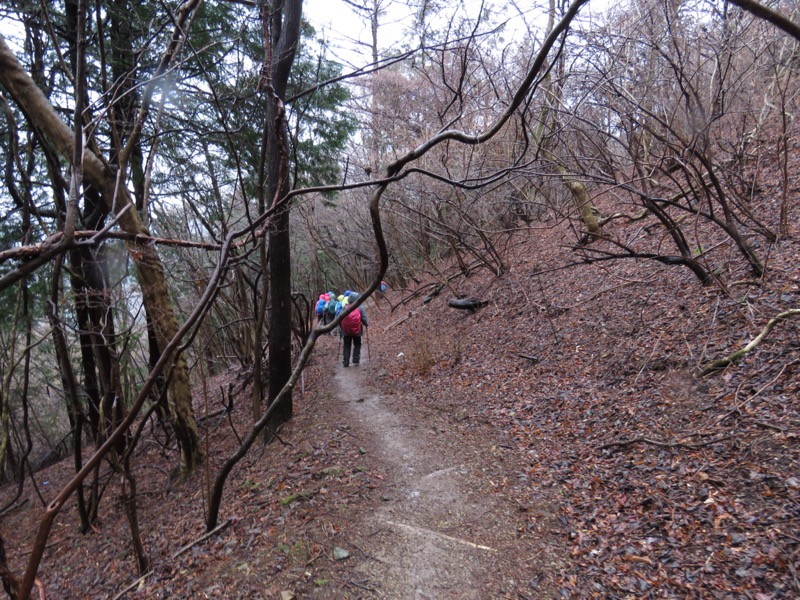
point(439, 530)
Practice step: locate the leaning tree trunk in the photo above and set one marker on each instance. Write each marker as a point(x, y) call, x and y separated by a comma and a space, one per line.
point(576, 187)
point(149, 269)
point(581, 197)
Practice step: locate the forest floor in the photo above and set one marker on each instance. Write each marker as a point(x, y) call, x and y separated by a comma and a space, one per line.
point(368, 494)
point(557, 442)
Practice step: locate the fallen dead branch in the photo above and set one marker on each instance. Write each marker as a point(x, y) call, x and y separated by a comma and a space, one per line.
point(347, 432)
point(533, 359)
point(660, 444)
point(740, 405)
point(359, 585)
point(471, 304)
point(721, 363)
point(396, 323)
point(430, 533)
point(766, 425)
point(132, 585)
point(202, 538)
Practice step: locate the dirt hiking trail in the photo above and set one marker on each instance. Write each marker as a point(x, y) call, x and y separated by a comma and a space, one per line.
point(437, 530)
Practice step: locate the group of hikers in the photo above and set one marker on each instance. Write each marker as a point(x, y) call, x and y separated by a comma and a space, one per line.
point(329, 306)
point(352, 326)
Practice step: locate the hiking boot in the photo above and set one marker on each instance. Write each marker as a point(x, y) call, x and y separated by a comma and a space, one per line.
point(345, 365)
point(355, 364)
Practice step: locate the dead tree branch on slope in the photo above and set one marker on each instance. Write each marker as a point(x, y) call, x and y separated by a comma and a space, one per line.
point(721, 363)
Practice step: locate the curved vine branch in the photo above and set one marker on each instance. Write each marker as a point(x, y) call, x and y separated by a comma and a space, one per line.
point(762, 12)
point(393, 172)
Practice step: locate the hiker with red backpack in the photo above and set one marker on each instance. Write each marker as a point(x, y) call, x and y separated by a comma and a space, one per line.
point(352, 327)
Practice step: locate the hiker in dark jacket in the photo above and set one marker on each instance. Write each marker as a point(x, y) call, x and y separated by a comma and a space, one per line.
point(330, 308)
point(352, 327)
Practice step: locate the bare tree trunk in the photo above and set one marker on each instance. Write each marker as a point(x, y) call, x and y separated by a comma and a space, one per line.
point(10, 582)
point(70, 387)
point(283, 28)
point(5, 390)
point(22, 312)
point(280, 282)
point(128, 494)
point(258, 335)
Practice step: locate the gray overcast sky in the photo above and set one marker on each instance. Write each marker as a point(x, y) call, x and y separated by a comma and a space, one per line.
point(349, 34)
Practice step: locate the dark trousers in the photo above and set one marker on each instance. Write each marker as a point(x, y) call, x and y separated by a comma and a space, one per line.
point(355, 342)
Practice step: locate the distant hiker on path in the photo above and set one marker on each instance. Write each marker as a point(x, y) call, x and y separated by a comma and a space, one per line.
point(320, 309)
point(352, 327)
point(330, 308)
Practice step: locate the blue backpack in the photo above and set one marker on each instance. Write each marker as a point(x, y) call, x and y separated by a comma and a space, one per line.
point(320, 309)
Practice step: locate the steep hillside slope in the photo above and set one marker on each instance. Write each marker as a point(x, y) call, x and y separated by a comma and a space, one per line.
point(668, 484)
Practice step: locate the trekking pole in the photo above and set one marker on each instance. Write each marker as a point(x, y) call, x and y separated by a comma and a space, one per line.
point(338, 346)
point(366, 332)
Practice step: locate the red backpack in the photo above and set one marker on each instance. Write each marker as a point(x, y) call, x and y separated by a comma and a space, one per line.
point(351, 324)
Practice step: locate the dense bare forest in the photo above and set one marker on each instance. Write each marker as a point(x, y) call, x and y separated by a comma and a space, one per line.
point(182, 180)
